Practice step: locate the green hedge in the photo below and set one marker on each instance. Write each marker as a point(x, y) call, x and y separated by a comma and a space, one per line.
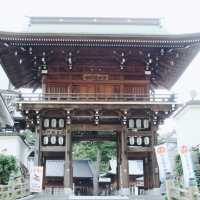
point(8, 165)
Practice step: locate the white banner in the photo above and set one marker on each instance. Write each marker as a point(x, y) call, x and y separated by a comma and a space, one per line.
point(163, 160)
point(36, 177)
point(186, 160)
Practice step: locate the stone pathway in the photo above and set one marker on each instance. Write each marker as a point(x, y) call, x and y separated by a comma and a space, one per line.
point(150, 195)
point(49, 197)
point(146, 197)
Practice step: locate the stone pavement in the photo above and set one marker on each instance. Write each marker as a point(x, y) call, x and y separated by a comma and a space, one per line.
point(150, 195)
point(145, 197)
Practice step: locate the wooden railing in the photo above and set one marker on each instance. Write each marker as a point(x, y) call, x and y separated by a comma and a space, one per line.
point(99, 97)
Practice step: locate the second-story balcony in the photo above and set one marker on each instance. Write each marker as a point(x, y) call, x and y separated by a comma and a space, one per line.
point(98, 97)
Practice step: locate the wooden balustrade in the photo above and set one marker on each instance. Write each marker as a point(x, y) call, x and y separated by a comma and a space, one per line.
point(125, 97)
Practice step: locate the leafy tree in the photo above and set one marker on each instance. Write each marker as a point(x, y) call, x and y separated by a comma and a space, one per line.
point(99, 152)
point(178, 166)
point(196, 165)
point(88, 150)
point(29, 137)
point(8, 165)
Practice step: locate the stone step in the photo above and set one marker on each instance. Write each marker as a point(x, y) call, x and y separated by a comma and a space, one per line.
point(98, 198)
point(65, 197)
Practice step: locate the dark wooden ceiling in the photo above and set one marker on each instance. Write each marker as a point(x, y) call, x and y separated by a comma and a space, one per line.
point(167, 57)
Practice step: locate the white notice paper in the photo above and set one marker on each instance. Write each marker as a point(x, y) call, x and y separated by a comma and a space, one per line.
point(54, 168)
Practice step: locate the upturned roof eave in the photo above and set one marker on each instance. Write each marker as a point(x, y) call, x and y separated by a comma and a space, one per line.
point(155, 38)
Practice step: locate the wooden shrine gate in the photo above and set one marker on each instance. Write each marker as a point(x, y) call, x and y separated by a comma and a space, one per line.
point(133, 126)
point(97, 82)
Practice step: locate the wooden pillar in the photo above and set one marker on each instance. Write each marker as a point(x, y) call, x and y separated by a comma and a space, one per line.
point(39, 138)
point(118, 160)
point(146, 173)
point(155, 169)
point(124, 171)
point(151, 172)
point(44, 84)
point(155, 172)
point(37, 147)
point(68, 161)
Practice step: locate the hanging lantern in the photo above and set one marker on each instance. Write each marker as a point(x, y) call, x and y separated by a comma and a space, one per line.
point(45, 140)
point(53, 123)
point(124, 120)
point(139, 141)
point(138, 123)
point(61, 123)
point(131, 141)
point(60, 140)
point(46, 123)
point(146, 140)
point(146, 123)
point(53, 139)
point(131, 123)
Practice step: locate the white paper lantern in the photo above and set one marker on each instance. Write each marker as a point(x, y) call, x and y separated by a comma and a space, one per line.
point(53, 123)
point(146, 123)
point(131, 123)
point(53, 139)
point(46, 123)
point(139, 141)
point(138, 123)
point(61, 123)
point(45, 140)
point(131, 140)
point(60, 140)
point(146, 140)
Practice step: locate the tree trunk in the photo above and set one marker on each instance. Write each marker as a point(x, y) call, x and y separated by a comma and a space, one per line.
point(96, 173)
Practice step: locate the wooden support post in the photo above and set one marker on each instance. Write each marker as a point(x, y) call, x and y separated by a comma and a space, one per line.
point(68, 162)
point(155, 170)
point(151, 171)
point(146, 173)
point(39, 139)
point(37, 147)
point(118, 160)
point(124, 170)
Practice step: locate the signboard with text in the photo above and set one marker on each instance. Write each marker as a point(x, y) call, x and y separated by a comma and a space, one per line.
point(163, 160)
point(36, 176)
point(186, 160)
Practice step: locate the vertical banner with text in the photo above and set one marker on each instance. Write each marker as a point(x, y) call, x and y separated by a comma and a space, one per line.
point(163, 160)
point(186, 160)
point(36, 176)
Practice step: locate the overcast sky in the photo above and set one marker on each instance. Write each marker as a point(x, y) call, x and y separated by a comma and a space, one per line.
point(178, 17)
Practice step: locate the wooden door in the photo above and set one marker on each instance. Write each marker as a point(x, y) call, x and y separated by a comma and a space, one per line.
point(108, 90)
point(87, 90)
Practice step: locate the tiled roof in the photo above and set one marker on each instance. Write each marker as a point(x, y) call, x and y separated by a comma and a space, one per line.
point(82, 169)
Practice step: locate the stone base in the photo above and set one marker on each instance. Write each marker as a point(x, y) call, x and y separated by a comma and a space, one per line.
point(68, 191)
point(124, 192)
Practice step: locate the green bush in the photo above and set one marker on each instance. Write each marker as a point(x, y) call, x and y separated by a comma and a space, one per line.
point(8, 165)
point(178, 166)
